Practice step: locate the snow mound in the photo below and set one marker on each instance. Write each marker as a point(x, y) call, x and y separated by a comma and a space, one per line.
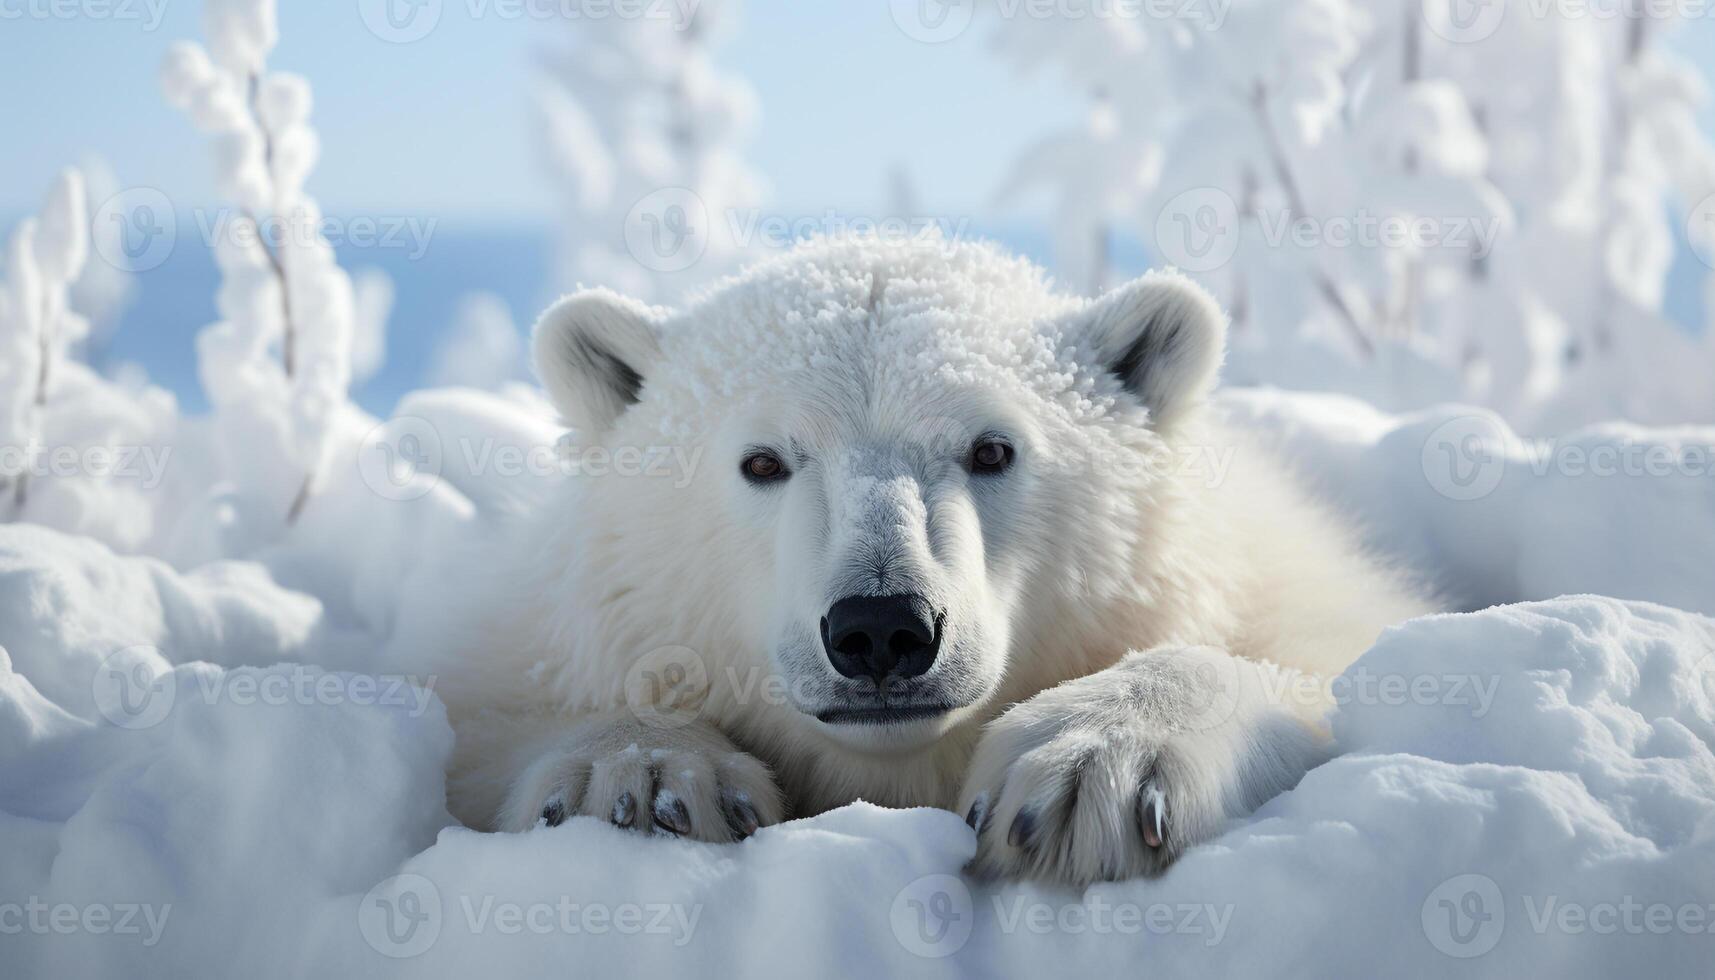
point(238, 768)
point(1494, 516)
point(1513, 787)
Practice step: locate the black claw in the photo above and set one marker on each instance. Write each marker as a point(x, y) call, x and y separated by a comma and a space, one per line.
point(672, 816)
point(554, 812)
point(741, 816)
point(624, 810)
point(1022, 830)
point(979, 810)
point(1151, 820)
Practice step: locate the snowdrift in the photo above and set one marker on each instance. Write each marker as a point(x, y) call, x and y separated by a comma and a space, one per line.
point(236, 767)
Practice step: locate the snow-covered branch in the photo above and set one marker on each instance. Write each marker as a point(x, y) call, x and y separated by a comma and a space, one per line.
point(278, 365)
point(1527, 147)
point(44, 256)
point(644, 129)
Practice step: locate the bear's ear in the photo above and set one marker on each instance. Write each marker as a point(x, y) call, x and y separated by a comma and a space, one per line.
point(1163, 335)
point(592, 351)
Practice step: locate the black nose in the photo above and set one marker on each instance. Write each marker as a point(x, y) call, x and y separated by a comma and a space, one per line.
point(881, 636)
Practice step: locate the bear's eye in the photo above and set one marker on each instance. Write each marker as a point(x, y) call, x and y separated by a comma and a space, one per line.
point(990, 455)
point(762, 466)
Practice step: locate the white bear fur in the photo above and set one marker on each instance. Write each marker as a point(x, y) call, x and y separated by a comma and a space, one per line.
point(1103, 591)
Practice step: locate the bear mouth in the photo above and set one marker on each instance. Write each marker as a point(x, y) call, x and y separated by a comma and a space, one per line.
point(882, 714)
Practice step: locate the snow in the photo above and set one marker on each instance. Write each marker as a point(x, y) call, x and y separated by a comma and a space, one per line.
point(1543, 160)
point(236, 766)
point(224, 638)
point(1613, 509)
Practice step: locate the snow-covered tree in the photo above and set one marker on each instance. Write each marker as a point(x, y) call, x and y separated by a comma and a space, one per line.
point(1095, 172)
point(44, 256)
point(1548, 156)
point(277, 366)
point(643, 129)
point(106, 289)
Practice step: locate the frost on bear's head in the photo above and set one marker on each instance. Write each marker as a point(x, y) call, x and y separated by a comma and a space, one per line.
point(909, 458)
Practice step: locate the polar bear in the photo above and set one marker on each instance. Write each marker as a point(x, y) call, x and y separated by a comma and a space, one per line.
point(940, 536)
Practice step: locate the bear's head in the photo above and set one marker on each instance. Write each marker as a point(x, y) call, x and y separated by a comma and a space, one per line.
point(896, 471)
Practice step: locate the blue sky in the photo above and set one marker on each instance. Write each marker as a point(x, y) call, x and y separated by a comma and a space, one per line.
point(442, 125)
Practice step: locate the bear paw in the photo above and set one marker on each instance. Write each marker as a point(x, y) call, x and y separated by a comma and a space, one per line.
point(687, 782)
point(1116, 774)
